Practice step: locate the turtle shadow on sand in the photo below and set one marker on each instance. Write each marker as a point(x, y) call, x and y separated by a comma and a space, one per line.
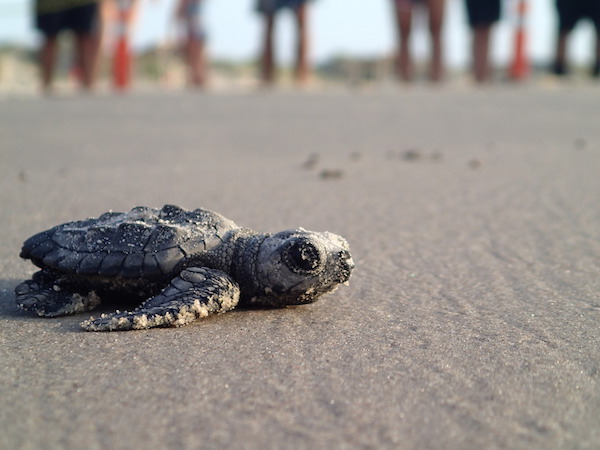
point(8, 307)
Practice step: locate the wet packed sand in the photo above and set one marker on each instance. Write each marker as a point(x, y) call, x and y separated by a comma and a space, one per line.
point(472, 319)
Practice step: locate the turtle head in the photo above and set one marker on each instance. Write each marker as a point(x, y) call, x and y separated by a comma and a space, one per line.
point(294, 267)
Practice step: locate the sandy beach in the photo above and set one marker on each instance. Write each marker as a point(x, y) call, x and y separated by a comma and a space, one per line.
point(472, 319)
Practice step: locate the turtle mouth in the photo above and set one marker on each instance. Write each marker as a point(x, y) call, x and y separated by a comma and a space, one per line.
point(299, 294)
point(346, 267)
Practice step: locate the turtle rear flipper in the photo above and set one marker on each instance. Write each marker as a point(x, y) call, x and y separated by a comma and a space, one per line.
point(195, 293)
point(50, 298)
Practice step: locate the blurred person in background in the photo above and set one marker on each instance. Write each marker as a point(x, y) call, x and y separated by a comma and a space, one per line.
point(269, 9)
point(78, 16)
point(189, 14)
point(482, 15)
point(403, 10)
point(570, 12)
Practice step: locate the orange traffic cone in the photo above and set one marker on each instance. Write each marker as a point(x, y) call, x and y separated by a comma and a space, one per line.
point(519, 68)
point(122, 55)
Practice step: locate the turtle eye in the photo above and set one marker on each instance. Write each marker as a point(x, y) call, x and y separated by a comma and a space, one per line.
point(302, 257)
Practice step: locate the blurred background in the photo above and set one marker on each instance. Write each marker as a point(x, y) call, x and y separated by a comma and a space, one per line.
point(350, 39)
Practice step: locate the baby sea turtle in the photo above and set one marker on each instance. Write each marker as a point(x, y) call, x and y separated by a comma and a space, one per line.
point(182, 264)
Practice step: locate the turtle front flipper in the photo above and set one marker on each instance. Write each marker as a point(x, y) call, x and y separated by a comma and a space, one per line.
point(51, 296)
point(195, 293)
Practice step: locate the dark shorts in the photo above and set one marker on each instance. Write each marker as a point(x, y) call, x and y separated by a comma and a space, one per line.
point(80, 19)
point(572, 11)
point(483, 12)
point(272, 6)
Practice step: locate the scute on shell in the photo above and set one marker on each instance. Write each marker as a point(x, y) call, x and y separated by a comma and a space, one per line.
point(144, 242)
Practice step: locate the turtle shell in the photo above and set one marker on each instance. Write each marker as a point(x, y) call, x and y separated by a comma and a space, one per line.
point(142, 243)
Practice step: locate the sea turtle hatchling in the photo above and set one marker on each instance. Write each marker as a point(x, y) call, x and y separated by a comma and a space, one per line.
point(181, 264)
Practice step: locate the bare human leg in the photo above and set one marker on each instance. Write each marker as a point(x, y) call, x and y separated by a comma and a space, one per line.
point(48, 62)
point(86, 55)
point(403, 16)
point(560, 60)
point(596, 66)
point(302, 69)
point(195, 56)
point(267, 61)
point(436, 21)
point(481, 39)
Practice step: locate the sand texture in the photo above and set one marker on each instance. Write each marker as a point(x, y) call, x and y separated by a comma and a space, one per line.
point(472, 319)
